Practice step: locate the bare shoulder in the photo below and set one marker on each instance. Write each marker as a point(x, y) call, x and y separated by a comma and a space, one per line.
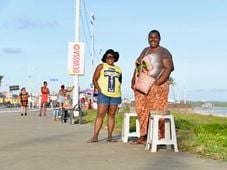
point(100, 66)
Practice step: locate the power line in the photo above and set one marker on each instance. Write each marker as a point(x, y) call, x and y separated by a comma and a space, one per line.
point(85, 35)
point(86, 24)
point(85, 9)
point(90, 31)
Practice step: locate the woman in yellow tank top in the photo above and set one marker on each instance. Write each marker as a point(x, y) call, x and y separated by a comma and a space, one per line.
point(107, 80)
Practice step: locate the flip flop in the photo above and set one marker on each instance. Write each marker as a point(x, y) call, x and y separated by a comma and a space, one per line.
point(92, 140)
point(135, 142)
point(111, 140)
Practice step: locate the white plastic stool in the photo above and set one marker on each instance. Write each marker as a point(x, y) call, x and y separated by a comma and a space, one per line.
point(170, 132)
point(125, 133)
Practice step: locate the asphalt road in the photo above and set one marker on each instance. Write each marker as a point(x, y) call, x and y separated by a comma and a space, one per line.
point(39, 143)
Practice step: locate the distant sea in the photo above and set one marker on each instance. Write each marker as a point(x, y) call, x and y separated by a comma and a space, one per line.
point(207, 95)
point(217, 111)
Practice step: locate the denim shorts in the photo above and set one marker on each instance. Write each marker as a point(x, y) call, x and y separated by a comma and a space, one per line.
point(106, 100)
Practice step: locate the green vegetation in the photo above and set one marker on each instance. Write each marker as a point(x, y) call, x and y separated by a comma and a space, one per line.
point(215, 103)
point(205, 136)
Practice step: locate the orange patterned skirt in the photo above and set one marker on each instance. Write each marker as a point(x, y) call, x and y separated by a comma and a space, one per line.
point(155, 100)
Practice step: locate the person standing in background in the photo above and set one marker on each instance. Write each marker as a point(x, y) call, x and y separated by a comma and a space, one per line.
point(62, 94)
point(44, 98)
point(23, 98)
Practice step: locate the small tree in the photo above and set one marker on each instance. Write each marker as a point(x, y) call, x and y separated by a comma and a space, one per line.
point(172, 85)
point(1, 77)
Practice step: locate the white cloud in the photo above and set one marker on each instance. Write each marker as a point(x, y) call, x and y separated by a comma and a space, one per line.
point(24, 23)
point(11, 50)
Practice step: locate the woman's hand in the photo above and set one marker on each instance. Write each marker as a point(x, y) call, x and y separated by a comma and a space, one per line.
point(132, 86)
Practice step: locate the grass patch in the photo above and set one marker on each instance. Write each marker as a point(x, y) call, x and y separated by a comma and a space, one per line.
point(205, 136)
point(90, 116)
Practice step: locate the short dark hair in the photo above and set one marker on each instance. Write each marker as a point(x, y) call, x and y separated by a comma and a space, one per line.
point(155, 31)
point(111, 51)
point(62, 86)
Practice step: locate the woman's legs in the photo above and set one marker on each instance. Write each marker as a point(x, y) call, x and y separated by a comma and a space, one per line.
point(102, 109)
point(41, 109)
point(44, 108)
point(25, 110)
point(158, 97)
point(22, 110)
point(111, 120)
point(143, 112)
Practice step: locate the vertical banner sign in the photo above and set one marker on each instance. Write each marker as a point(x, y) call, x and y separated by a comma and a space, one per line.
point(76, 58)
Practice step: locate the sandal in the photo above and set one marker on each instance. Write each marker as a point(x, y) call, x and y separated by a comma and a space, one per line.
point(135, 142)
point(111, 140)
point(92, 140)
point(141, 140)
point(138, 142)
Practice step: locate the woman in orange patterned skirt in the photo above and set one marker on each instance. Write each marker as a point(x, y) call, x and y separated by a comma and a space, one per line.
point(23, 98)
point(157, 62)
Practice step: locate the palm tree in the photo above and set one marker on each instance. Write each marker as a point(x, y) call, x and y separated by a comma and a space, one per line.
point(172, 85)
point(1, 77)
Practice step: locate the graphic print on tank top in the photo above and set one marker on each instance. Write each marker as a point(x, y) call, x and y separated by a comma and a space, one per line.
point(111, 74)
point(153, 65)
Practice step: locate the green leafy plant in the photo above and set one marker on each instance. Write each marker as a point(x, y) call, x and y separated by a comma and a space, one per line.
point(140, 66)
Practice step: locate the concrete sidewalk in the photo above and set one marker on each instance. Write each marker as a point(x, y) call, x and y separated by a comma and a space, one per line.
point(38, 143)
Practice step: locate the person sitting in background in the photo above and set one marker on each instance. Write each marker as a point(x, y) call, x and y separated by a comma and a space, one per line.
point(56, 111)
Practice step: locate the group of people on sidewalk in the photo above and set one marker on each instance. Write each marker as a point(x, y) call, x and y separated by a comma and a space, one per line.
point(156, 61)
point(24, 95)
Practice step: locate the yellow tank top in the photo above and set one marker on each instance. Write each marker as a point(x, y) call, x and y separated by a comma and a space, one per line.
point(109, 80)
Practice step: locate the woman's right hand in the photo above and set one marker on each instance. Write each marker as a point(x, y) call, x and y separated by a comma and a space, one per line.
point(132, 85)
point(98, 89)
point(138, 61)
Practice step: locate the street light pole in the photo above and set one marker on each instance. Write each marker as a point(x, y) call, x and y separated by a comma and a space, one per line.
point(77, 39)
point(92, 40)
point(92, 54)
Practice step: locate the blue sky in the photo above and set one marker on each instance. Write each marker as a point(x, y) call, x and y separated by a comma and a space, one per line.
point(34, 36)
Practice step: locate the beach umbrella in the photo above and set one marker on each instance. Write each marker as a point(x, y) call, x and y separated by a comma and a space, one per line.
point(89, 91)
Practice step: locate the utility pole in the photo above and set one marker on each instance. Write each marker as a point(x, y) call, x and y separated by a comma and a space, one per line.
point(92, 55)
point(77, 39)
point(92, 41)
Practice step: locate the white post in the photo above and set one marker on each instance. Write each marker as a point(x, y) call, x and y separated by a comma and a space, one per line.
point(77, 39)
